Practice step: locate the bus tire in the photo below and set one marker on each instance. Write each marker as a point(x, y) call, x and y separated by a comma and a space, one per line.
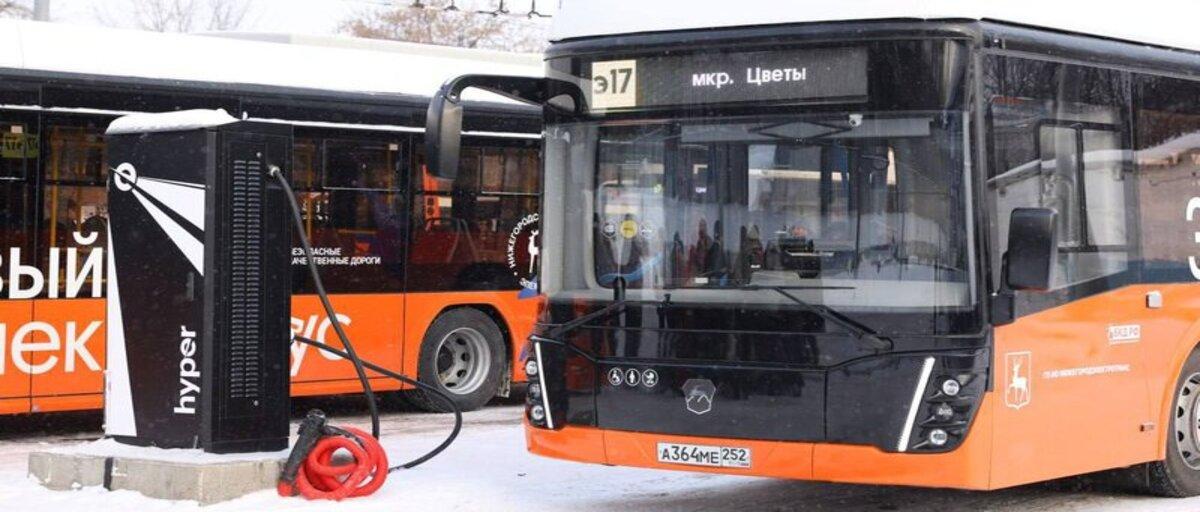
point(1178, 475)
point(463, 356)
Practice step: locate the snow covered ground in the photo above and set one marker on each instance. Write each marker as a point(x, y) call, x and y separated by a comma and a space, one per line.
point(489, 470)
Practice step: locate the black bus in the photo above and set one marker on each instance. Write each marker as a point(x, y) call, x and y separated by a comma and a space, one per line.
point(878, 245)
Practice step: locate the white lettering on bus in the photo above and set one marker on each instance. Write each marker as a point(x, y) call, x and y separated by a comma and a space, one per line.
point(77, 347)
point(20, 347)
point(74, 350)
point(315, 328)
point(1086, 371)
point(760, 76)
point(1192, 206)
point(717, 80)
point(332, 256)
point(27, 281)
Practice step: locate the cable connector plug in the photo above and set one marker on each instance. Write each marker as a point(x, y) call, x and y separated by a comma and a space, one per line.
point(311, 430)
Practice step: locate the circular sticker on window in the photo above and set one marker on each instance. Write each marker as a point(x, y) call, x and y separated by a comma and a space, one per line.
point(647, 230)
point(523, 251)
point(609, 229)
point(629, 229)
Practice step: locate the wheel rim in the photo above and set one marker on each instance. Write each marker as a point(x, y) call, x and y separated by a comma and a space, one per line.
point(1187, 421)
point(463, 361)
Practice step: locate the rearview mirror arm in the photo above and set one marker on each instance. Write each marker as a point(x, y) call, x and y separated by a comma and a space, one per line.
point(443, 121)
point(1003, 302)
point(530, 90)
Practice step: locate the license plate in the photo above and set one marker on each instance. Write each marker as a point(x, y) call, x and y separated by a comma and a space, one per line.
point(702, 455)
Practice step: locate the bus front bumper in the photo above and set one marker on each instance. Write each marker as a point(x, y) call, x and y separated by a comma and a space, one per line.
point(967, 467)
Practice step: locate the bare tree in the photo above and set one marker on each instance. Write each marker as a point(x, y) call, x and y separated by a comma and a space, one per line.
point(435, 25)
point(165, 15)
point(180, 15)
point(14, 9)
point(227, 14)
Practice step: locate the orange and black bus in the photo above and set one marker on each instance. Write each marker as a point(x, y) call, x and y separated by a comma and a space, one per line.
point(888, 246)
point(425, 273)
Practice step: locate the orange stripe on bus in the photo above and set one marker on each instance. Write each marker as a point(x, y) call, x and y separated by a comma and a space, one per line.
point(61, 349)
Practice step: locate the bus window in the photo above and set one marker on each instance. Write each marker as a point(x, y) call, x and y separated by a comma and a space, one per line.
point(1060, 140)
point(305, 164)
point(355, 219)
point(509, 170)
point(1168, 163)
point(18, 156)
point(751, 203)
point(75, 213)
point(462, 229)
point(306, 179)
point(362, 165)
point(18, 147)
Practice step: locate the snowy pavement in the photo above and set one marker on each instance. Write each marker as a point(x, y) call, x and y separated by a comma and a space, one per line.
point(489, 470)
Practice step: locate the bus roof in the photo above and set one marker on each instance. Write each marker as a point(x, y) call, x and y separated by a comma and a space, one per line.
point(1156, 22)
point(327, 63)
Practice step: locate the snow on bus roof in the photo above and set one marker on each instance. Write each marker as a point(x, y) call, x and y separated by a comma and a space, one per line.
point(179, 120)
point(1158, 22)
point(329, 63)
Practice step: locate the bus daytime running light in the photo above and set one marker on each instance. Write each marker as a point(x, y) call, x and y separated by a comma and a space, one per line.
point(951, 387)
point(938, 437)
point(537, 413)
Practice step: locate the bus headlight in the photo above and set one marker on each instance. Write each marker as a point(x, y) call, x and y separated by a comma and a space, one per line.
point(535, 390)
point(531, 368)
point(951, 387)
point(537, 413)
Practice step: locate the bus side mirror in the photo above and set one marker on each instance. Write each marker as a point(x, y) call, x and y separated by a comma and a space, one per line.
point(443, 135)
point(444, 120)
point(1032, 249)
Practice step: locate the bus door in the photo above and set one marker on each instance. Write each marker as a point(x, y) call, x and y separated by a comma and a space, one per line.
point(19, 144)
point(1068, 373)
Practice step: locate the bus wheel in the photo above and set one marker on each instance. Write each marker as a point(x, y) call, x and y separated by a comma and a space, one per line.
point(1179, 475)
point(463, 356)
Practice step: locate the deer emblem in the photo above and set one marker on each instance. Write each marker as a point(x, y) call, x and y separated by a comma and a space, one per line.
point(534, 250)
point(1017, 394)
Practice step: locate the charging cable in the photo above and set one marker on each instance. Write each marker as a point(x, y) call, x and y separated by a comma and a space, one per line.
point(309, 470)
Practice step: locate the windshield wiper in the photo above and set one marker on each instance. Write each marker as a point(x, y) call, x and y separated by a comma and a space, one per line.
point(862, 333)
point(616, 307)
point(555, 334)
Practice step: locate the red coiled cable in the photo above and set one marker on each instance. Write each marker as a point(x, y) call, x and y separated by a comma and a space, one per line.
point(320, 479)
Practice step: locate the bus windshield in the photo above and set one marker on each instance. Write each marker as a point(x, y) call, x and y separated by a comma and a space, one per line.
point(853, 210)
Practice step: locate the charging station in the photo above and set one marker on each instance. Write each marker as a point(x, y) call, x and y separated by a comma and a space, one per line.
point(198, 283)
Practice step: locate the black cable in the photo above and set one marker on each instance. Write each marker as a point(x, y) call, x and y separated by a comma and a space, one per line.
point(359, 365)
point(320, 287)
point(400, 377)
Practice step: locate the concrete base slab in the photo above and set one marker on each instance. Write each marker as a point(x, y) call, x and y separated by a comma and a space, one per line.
point(158, 473)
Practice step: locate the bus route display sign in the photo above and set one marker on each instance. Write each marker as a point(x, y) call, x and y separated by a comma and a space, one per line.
point(809, 76)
